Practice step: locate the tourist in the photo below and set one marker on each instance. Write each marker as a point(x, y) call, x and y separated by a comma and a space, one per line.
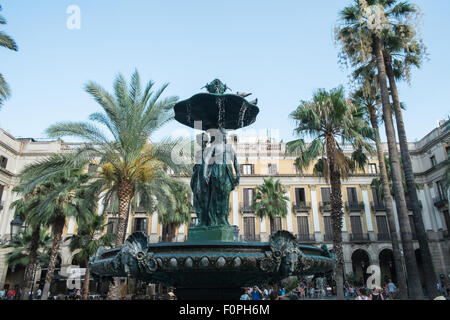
point(392, 288)
point(377, 294)
point(347, 290)
point(274, 294)
point(11, 294)
point(2, 294)
point(266, 293)
point(256, 293)
point(246, 295)
point(39, 292)
point(312, 293)
point(361, 294)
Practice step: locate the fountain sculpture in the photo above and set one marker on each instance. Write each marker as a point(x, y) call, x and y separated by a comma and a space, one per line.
point(210, 264)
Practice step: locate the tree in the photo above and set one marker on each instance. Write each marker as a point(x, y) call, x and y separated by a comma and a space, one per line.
point(360, 39)
point(368, 98)
point(327, 118)
point(65, 197)
point(22, 245)
point(176, 209)
point(86, 243)
point(402, 49)
point(271, 200)
point(6, 42)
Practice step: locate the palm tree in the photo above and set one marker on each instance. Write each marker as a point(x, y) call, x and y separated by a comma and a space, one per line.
point(177, 208)
point(402, 50)
point(65, 196)
point(368, 98)
point(86, 243)
point(361, 42)
point(327, 118)
point(29, 252)
point(271, 200)
point(6, 42)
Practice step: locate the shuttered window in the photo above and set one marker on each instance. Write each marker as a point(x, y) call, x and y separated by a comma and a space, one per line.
point(249, 226)
point(302, 226)
point(356, 224)
point(382, 225)
point(247, 169)
point(376, 198)
point(3, 162)
point(276, 224)
point(325, 192)
point(352, 195)
point(2, 187)
point(328, 225)
point(413, 227)
point(112, 225)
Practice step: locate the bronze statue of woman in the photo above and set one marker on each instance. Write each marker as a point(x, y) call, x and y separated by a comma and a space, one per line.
point(199, 187)
point(218, 173)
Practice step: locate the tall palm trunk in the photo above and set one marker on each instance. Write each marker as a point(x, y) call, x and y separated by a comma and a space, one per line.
point(415, 288)
point(31, 267)
point(336, 215)
point(58, 227)
point(124, 193)
point(86, 282)
point(430, 276)
point(387, 200)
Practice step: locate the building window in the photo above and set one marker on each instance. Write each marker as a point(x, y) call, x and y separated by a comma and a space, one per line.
point(302, 226)
point(352, 196)
point(2, 188)
point(442, 195)
point(193, 222)
point(376, 199)
point(249, 198)
point(383, 229)
point(276, 224)
point(300, 196)
point(273, 168)
point(328, 228)
point(373, 168)
point(249, 227)
point(355, 222)
point(3, 162)
point(140, 224)
point(112, 225)
point(447, 149)
point(247, 169)
point(433, 161)
point(325, 193)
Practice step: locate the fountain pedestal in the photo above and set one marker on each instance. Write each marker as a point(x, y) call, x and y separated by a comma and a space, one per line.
point(207, 234)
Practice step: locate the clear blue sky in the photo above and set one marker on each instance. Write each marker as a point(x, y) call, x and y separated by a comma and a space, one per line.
point(279, 50)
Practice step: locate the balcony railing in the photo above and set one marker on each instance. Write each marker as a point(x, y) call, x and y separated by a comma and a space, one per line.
point(384, 237)
point(308, 238)
point(246, 207)
point(359, 237)
point(378, 206)
point(138, 209)
point(302, 206)
point(250, 238)
point(327, 237)
point(354, 206)
point(440, 202)
point(325, 206)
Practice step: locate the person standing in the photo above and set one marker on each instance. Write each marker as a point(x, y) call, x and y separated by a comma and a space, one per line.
point(347, 290)
point(2, 294)
point(392, 288)
point(256, 293)
point(246, 295)
point(362, 295)
point(377, 294)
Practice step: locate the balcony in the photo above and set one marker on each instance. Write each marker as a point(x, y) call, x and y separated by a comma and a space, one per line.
point(325, 206)
point(138, 209)
point(378, 206)
point(302, 207)
point(354, 206)
point(250, 238)
point(384, 237)
point(359, 237)
point(440, 202)
point(306, 238)
point(246, 208)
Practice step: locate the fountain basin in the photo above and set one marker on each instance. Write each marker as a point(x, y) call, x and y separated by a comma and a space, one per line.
point(211, 270)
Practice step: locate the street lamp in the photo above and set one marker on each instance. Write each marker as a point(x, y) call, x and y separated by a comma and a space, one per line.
point(16, 226)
